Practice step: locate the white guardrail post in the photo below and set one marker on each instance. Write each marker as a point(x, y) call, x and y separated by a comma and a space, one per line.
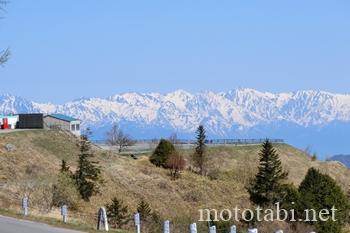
point(137, 222)
point(193, 228)
point(102, 223)
point(25, 205)
point(166, 227)
point(254, 230)
point(64, 213)
point(233, 229)
point(212, 229)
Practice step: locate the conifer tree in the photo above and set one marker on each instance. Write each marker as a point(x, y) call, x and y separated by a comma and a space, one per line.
point(64, 167)
point(117, 213)
point(162, 153)
point(87, 175)
point(267, 189)
point(199, 158)
point(319, 191)
point(64, 190)
point(151, 220)
point(144, 209)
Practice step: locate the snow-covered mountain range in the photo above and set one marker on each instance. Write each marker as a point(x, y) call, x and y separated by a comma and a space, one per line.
point(232, 114)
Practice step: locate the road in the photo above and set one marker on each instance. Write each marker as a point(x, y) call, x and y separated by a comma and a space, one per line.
point(12, 225)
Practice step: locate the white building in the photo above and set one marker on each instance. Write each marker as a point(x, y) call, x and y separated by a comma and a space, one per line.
point(8, 122)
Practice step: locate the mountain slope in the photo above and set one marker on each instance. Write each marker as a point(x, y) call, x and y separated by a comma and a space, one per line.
point(14, 104)
point(237, 113)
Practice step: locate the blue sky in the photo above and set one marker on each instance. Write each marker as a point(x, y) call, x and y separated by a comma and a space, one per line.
point(62, 50)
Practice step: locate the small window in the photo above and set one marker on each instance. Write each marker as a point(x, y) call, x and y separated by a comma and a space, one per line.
point(73, 127)
point(77, 127)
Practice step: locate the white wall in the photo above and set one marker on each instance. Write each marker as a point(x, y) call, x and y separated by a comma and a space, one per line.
point(12, 120)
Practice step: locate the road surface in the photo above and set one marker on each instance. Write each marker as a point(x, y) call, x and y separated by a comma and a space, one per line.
point(12, 225)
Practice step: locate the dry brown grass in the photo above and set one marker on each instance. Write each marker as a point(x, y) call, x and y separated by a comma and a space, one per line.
point(39, 153)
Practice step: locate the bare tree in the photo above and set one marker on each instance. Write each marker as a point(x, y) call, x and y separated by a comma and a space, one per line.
point(117, 137)
point(176, 163)
point(4, 54)
point(308, 150)
point(174, 139)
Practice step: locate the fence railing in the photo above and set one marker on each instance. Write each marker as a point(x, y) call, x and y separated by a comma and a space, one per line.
point(209, 141)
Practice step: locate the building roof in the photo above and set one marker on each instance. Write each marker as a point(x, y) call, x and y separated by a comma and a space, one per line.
point(3, 116)
point(63, 117)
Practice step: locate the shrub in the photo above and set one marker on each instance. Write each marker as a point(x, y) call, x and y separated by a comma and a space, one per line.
point(176, 163)
point(117, 213)
point(221, 225)
point(41, 197)
point(291, 200)
point(314, 157)
point(65, 192)
point(65, 167)
point(162, 153)
point(151, 221)
point(144, 210)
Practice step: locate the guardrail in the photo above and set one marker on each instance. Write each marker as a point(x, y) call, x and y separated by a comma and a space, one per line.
point(209, 141)
point(101, 219)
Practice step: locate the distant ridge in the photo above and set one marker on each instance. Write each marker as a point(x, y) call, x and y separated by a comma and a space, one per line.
point(345, 159)
point(302, 118)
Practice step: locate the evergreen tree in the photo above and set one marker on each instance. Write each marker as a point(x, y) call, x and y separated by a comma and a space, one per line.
point(65, 192)
point(151, 221)
point(156, 219)
point(87, 175)
point(199, 157)
point(222, 226)
point(162, 153)
point(267, 189)
point(117, 213)
point(320, 191)
point(144, 209)
point(291, 201)
point(64, 167)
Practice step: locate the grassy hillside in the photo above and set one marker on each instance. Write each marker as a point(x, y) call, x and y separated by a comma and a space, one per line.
point(38, 155)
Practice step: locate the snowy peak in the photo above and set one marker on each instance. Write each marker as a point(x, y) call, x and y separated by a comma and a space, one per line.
point(182, 111)
point(10, 104)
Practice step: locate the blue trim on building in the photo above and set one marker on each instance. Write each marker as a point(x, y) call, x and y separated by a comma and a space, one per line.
point(63, 117)
point(2, 116)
